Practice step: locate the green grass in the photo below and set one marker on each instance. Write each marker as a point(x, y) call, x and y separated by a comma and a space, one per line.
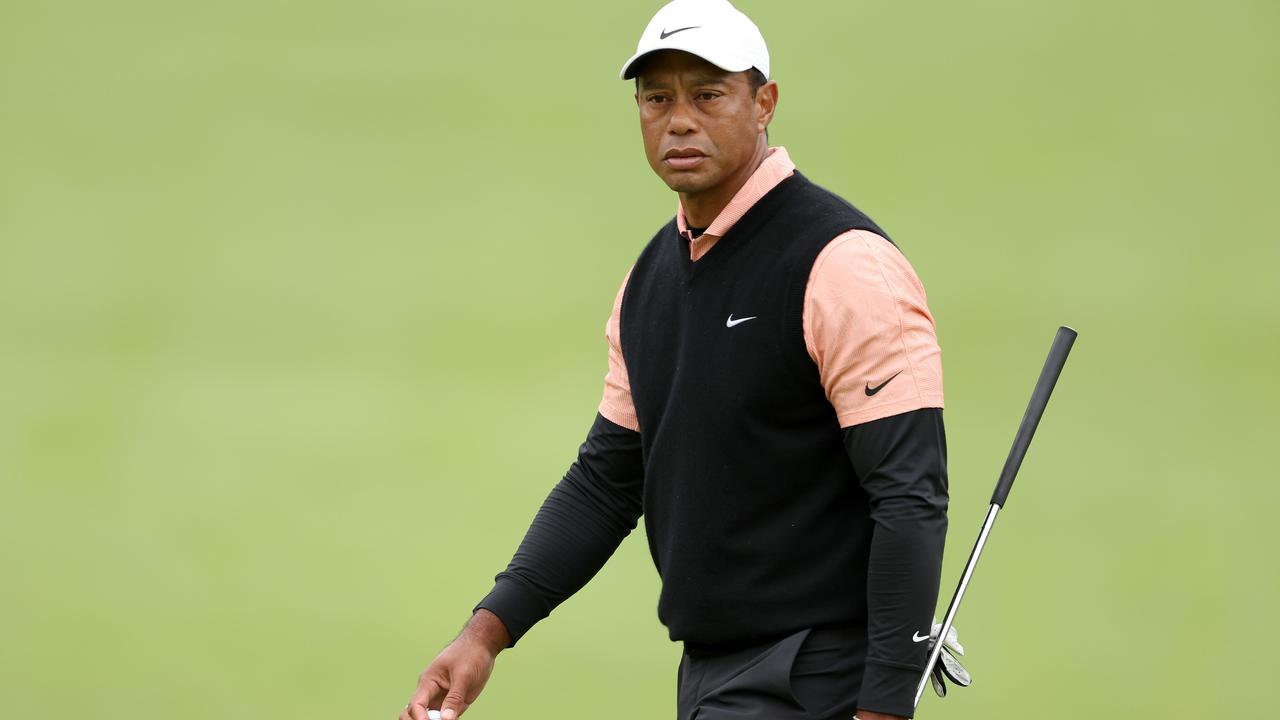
point(301, 315)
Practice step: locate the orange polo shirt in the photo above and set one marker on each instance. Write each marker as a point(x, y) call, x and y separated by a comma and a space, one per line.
point(866, 320)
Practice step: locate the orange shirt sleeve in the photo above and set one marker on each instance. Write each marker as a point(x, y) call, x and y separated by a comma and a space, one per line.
point(616, 404)
point(867, 326)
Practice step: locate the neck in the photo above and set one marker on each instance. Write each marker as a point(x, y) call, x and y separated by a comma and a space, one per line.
point(701, 208)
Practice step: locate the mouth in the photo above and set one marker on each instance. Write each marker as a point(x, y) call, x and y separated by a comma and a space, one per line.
point(683, 158)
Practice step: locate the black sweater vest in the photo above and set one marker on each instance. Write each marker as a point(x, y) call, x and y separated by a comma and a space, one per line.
point(754, 516)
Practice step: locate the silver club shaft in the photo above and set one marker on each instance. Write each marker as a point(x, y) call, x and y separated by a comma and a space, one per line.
point(955, 600)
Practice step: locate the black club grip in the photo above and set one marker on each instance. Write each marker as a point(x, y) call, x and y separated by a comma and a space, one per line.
point(1039, 399)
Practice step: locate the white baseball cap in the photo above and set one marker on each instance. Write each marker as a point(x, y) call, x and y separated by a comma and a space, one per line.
point(714, 30)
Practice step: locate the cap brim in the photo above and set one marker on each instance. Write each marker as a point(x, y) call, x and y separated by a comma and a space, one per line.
point(725, 62)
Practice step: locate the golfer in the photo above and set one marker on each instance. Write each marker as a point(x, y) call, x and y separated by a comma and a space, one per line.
point(772, 406)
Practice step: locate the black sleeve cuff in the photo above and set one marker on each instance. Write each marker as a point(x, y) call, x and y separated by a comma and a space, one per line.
point(515, 603)
point(889, 689)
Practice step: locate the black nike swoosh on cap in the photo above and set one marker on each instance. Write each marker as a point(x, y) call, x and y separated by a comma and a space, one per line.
point(873, 390)
point(664, 34)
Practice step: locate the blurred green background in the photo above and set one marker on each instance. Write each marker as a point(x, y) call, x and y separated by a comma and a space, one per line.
point(302, 308)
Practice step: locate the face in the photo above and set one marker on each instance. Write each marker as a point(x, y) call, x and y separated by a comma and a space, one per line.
point(703, 128)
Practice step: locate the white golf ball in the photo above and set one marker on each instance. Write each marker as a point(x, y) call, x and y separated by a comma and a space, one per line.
point(433, 715)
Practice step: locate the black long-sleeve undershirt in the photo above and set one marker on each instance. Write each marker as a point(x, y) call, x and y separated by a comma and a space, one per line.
point(582, 521)
point(900, 462)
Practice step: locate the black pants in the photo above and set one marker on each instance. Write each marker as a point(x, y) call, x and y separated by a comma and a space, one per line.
point(812, 675)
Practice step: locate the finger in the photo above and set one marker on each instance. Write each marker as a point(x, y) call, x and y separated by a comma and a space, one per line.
point(433, 694)
point(417, 707)
point(954, 671)
point(423, 692)
point(455, 702)
point(953, 641)
point(422, 698)
point(939, 685)
point(454, 706)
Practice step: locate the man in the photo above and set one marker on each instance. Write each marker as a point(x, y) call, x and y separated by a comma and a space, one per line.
point(773, 407)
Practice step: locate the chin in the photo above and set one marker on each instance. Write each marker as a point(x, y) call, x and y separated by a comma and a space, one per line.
point(683, 182)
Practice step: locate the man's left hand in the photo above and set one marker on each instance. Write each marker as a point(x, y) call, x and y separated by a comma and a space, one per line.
point(948, 666)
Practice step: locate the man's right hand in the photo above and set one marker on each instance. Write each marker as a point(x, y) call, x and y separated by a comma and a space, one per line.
point(455, 678)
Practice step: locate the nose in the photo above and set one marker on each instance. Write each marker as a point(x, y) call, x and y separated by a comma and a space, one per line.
point(681, 119)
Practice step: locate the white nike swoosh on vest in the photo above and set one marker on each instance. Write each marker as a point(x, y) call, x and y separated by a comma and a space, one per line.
point(731, 322)
point(915, 637)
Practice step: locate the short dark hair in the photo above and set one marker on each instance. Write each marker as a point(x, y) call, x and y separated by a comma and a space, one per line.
point(755, 79)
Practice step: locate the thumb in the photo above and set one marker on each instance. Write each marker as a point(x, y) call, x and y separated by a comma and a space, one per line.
point(455, 701)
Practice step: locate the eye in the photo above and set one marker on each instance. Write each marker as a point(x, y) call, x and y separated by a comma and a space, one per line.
point(657, 99)
point(708, 95)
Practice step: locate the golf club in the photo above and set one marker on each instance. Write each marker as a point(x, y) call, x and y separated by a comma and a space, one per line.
point(1035, 409)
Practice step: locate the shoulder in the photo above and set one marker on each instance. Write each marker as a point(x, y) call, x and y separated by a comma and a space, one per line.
point(831, 210)
point(864, 260)
point(667, 229)
point(866, 318)
point(662, 241)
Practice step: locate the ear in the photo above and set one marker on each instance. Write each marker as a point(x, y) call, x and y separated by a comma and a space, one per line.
point(766, 104)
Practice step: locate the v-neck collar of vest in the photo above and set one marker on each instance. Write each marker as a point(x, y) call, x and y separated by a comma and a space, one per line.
point(777, 166)
point(741, 232)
